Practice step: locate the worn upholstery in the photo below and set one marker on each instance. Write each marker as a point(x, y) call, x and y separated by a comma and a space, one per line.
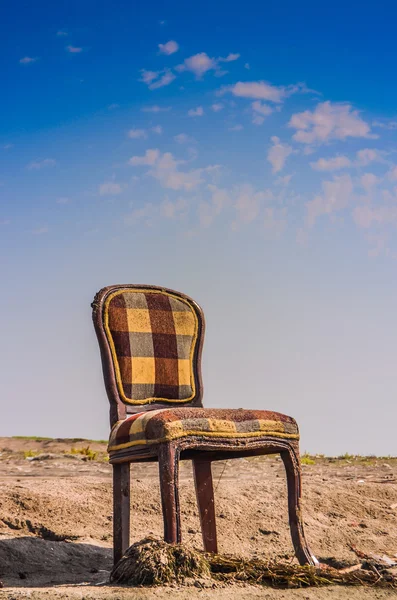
point(152, 335)
point(156, 426)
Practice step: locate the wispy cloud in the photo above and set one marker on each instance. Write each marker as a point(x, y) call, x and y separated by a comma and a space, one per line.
point(217, 106)
point(63, 200)
point(40, 230)
point(110, 188)
point(150, 158)
point(196, 112)
point(230, 57)
point(62, 33)
point(157, 129)
point(237, 127)
point(363, 158)
point(137, 133)
point(260, 111)
point(155, 109)
point(336, 195)
point(390, 124)
point(167, 170)
point(201, 63)
point(169, 48)
point(278, 154)
point(73, 49)
point(41, 164)
point(329, 121)
point(157, 79)
point(331, 164)
point(28, 60)
point(183, 138)
point(261, 90)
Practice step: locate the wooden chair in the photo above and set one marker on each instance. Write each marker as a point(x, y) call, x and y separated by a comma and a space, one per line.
point(151, 340)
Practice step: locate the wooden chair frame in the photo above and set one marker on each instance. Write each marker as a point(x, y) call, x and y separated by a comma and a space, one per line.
point(200, 450)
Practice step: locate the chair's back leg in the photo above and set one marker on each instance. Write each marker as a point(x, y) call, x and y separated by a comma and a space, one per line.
point(168, 471)
point(121, 510)
point(293, 470)
point(205, 502)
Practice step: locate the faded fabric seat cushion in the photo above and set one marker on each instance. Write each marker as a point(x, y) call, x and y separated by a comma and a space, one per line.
point(164, 425)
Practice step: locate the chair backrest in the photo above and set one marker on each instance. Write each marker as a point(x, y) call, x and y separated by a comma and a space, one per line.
point(151, 341)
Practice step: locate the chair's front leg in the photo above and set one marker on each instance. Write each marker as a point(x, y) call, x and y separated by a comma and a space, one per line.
point(205, 501)
point(168, 471)
point(293, 470)
point(121, 510)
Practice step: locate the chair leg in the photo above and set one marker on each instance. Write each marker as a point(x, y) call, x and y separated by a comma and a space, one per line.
point(121, 510)
point(205, 502)
point(168, 471)
point(293, 470)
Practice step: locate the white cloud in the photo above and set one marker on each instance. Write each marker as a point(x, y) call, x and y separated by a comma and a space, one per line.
point(155, 109)
point(27, 60)
point(217, 106)
point(248, 203)
point(183, 138)
point(198, 64)
point(201, 63)
point(166, 169)
point(328, 121)
point(157, 129)
point(113, 106)
point(230, 57)
point(151, 156)
point(332, 164)
point(363, 158)
point(368, 181)
point(196, 112)
point(137, 133)
point(247, 66)
point(392, 174)
point(392, 125)
point(336, 195)
point(174, 210)
point(237, 127)
point(41, 164)
point(110, 188)
point(365, 216)
point(62, 33)
point(260, 111)
point(73, 49)
point(366, 156)
point(169, 48)
point(149, 76)
point(259, 90)
point(155, 80)
point(278, 154)
point(167, 78)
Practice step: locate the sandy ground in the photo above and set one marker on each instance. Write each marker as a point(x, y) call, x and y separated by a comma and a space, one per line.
point(56, 520)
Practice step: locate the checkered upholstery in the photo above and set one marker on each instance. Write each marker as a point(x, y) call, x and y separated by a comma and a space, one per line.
point(152, 335)
point(156, 426)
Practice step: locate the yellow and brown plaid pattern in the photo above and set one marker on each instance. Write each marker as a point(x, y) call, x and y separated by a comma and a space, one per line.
point(152, 335)
point(164, 425)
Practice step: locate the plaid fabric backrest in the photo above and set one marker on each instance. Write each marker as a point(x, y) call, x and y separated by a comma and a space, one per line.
point(153, 336)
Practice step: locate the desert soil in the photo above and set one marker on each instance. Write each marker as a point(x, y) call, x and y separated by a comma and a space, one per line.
point(56, 520)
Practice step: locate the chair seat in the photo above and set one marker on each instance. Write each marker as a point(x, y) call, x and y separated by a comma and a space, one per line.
point(164, 425)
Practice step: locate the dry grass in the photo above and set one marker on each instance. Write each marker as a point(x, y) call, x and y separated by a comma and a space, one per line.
point(153, 562)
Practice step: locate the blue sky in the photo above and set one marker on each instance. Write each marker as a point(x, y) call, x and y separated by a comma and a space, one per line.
point(242, 153)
